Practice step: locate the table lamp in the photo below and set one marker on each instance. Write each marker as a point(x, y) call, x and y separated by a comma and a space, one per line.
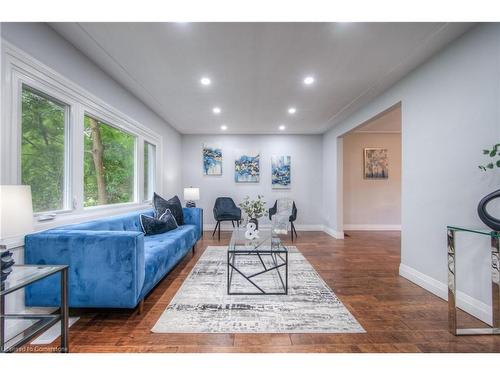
point(16, 220)
point(191, 195)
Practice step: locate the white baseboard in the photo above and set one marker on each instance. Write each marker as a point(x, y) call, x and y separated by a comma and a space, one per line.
point(335, 234)
point(374, 227)
point(465, 302)
point(225, 227)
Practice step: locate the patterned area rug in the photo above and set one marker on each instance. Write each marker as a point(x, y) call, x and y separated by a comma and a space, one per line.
point(202, 304)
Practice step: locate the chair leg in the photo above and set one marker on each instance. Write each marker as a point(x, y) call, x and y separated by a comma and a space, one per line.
point(219, 230)
point(194, 248)
point(232, 222)
point(215, 229)
point(293, 228)
point(140, 308)
point(238, 223)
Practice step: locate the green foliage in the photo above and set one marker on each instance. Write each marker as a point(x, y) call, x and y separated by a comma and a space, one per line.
point(493, 153)
point(254, 208)
point(118, 163)
point(42, 150)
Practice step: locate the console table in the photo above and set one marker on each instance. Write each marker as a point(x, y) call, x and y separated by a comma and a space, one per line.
point(495, 282)
point(21, 276)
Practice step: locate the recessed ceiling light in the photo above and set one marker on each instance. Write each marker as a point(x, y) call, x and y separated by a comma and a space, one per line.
point(223, 127)
point(216, 110)
point(309, 80)
point(205, 81)
point(292, 110)
point(282, 127)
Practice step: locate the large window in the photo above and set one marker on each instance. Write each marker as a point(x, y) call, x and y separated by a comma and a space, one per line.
point(149, 170)
point(43, 149)
point(108, 164)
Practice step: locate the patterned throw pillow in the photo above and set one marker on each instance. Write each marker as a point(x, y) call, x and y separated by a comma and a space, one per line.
point(151, 226)
point(173, 204)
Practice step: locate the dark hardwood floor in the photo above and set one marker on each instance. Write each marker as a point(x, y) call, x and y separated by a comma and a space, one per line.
point(362, 270)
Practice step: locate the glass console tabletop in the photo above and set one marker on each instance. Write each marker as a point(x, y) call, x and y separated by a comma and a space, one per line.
point(267, 241)
point(484, 231)
point(23, 275)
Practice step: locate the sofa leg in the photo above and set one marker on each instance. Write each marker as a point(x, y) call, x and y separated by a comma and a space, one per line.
point(140, 308)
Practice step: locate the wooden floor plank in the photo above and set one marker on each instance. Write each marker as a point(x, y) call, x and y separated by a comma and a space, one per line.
point(362, 270)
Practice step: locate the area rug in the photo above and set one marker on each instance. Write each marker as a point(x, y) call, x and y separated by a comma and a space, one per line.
point(202, 304)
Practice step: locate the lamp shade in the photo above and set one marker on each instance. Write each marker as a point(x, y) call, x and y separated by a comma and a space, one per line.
point(191, 194)
point(16, 211)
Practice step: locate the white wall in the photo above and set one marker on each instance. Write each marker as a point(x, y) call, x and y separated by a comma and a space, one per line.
point(306, 172)
point(371, 204)
point(44, 44)
point(450, 112)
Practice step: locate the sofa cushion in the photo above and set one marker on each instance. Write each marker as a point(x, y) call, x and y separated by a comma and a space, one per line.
point(128, 222)
point(163, 251)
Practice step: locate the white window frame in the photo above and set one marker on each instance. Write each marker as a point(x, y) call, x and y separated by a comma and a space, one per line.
point(19, 68)
point(154, 170)
point(108, 121)
point(34, 87)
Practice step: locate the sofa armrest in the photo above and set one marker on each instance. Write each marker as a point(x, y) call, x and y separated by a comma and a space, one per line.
point(106, 268)
point(194, 216)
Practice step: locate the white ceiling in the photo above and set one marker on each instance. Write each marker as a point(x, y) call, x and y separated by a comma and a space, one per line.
point(257, 68)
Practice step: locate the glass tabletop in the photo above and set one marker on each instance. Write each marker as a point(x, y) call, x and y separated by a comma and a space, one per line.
point(484, 231)
point(267, 241)
point(23, 275)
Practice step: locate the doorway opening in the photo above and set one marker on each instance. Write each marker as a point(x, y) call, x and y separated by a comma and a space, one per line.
point(371, 174)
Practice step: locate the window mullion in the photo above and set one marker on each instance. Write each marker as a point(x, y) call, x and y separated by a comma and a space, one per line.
point(141, 194)
point(77, 158)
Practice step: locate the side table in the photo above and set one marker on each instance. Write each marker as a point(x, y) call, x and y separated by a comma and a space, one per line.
point(21, 276)
point(495, 283)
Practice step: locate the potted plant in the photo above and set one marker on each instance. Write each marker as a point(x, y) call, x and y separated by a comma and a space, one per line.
point(486, 218)
point(254, 209)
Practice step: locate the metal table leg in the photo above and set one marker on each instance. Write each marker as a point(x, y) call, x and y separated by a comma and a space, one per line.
point(2, 323)
point(64, 311)
point(495, 281)
point(452, 308)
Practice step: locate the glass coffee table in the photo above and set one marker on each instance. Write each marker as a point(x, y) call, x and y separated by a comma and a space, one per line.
point(261, 265)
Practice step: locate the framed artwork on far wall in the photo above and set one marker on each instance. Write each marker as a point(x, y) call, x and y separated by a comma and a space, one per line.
point(376, 166)
point(212, 160)
point(281, 172)
point(247, 167)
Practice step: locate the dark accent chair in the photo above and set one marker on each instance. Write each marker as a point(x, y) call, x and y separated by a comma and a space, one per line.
point(226, 210)
point(291, 219)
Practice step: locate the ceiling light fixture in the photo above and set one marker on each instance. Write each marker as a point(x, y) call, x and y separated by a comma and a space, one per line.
point(216, 110)
point(223, 127)
point(205, 81)
point(292, 110)
point(282, 127)
point(309, 80)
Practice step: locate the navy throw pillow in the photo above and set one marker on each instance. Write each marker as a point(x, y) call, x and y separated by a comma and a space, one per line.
point(151, 226)
point(173, 204)
point(169, 219)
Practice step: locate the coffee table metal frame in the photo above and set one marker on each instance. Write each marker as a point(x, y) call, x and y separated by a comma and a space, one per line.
point(279, 257)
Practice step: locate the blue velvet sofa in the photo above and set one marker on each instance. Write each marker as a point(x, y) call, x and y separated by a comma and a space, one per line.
point(111, 263)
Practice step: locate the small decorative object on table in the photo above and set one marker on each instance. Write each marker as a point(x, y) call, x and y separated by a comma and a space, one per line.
point(191, 195)
point(484, 215)
point(252, 232)
point(254, 209)
point(6, 264)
